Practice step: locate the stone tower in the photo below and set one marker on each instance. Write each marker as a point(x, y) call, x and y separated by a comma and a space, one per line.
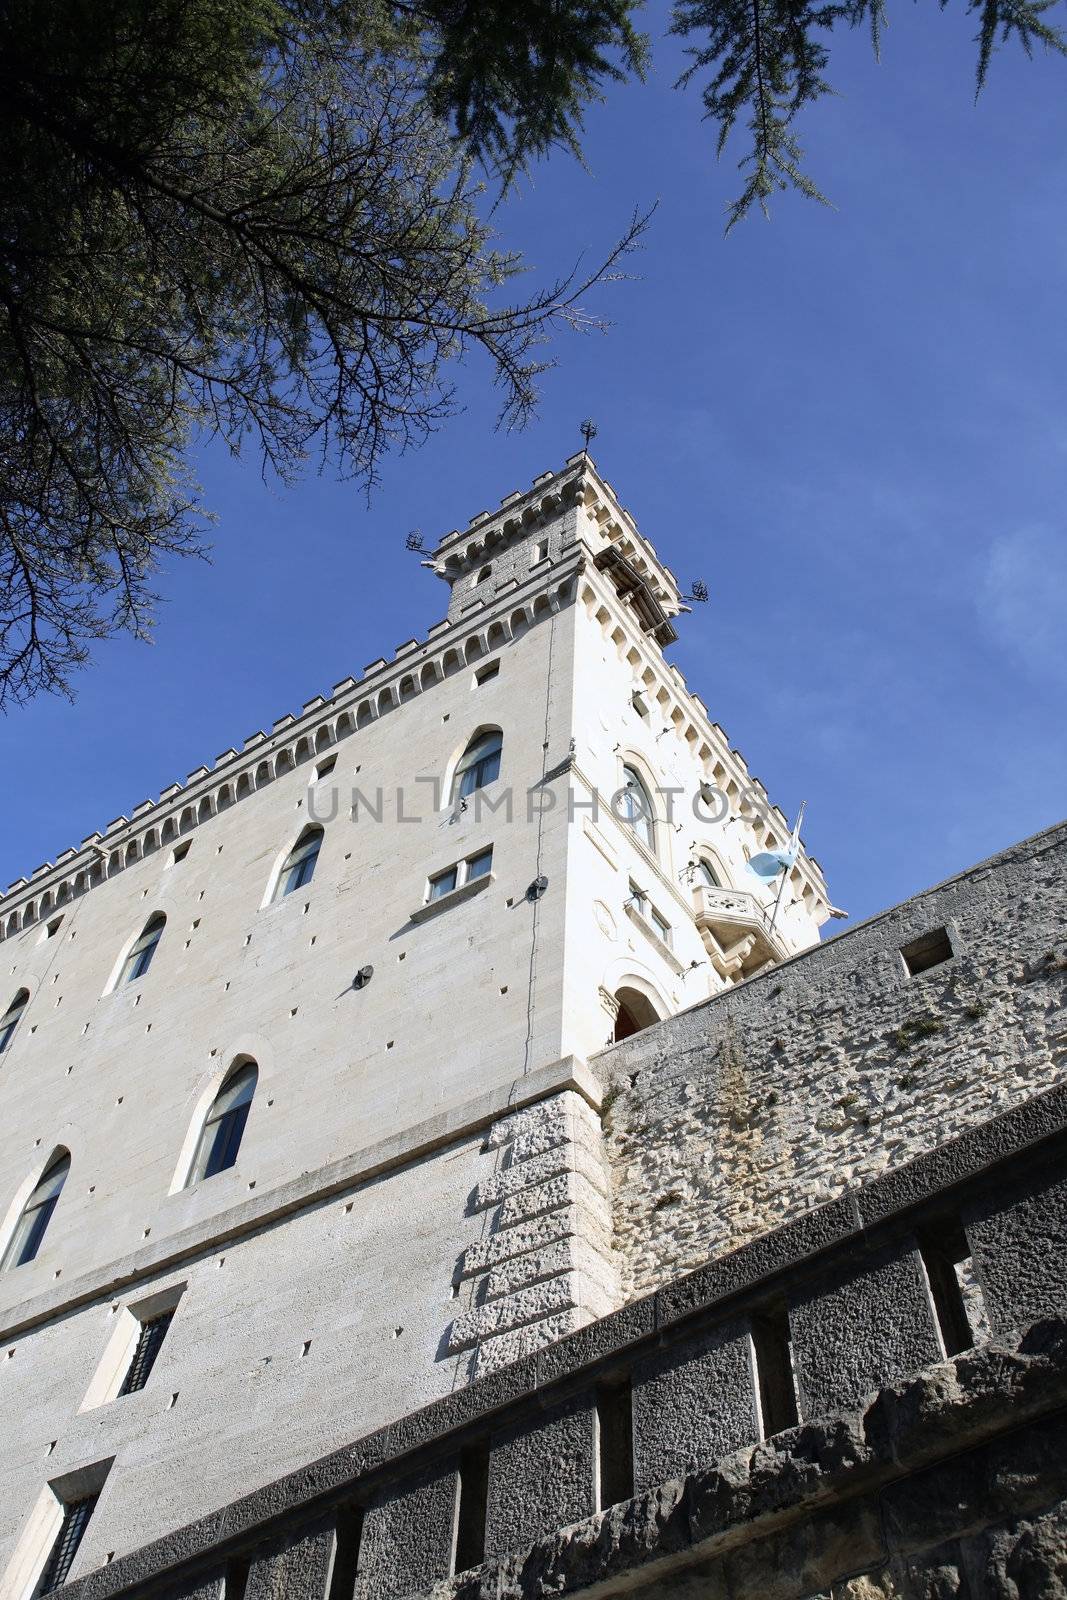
point(298, 1127)
point(434, 1166)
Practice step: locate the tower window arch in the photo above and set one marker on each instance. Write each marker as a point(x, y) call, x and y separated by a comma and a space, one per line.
point(37, 1213)
point(143, 949)
point(298, 868)
point(707, 876)
point(635, 808)
point(11, 1018)
point(479, 764)
point(224, 1125)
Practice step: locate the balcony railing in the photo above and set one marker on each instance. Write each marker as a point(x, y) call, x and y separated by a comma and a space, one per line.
point(737, 932)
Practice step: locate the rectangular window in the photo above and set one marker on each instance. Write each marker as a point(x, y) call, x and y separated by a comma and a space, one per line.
point(473, 1500)
point(929, 951)
point(347, 1537)
point(959, 1305)
point(540, 551)
point(479, 865)
point(637, 899)
point(615, 1443)
point(324, 768)
point(662, 927)
point(775, 1383)
point(149, 1341)
point(235, 1581)
point(180, 852)
point(487, 673)
point(443, 883)
point(76, 1514)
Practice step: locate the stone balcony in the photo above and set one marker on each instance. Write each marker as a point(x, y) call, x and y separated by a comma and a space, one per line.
point(737, 932)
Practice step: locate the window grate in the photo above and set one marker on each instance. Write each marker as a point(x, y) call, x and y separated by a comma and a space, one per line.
point(75, 1521)
point(149, 1340)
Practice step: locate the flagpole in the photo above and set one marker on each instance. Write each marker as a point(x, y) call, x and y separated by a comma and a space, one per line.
point(794, 845)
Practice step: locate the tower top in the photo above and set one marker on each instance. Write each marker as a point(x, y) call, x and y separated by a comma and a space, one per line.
point(610, 529)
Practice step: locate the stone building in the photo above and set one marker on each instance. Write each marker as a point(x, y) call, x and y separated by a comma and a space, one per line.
point(432, 1160)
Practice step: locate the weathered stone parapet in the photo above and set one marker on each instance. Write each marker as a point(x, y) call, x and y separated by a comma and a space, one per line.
point(545, 1268)
point(950, 1484)
point(957, 1467)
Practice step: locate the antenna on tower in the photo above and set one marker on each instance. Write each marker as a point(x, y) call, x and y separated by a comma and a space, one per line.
point(414, 540)
point(588, 430)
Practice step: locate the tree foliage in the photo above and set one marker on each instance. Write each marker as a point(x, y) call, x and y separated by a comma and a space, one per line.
point(247, 218)
point(265, 220)
point(765, 60)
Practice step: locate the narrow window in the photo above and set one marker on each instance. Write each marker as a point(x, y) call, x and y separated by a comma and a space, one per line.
point(479, 763)
point(540, 551)
point(661, 925)
point(957, 1297)
point(442, 883)
point(483, 577)
point(149, 1342)
point(485, 674)
point(220, 1138)
point(37, 1213)
point(929, 951)
point(639, 703)
point(140, 957)
point(235, 1581)
point(76, 1514)
point(11, 1018)
point(637, 899)
point(636, 808)
point(348, 1534)
point(775, 1384)
point(473, 1498)
point(298, 868)
point(707, 875)
point(479, 865)
point(615, 1452)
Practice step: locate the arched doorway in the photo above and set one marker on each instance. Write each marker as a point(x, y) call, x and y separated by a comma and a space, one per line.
point(636, 1011)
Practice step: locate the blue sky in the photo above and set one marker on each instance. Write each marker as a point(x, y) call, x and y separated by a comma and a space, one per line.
point(850, 423)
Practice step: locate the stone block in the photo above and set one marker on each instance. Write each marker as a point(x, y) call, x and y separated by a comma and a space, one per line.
point(1019, 1242)
point(564, 1255)
point(407, 1537)
point(293, 1567)
point(535, 1233)
point(692, 1404)
point(568, 1188)
point(542, 1476)
point(526, 1174)
point(525, 1305)
point(504, 1348)
point(861, 1328)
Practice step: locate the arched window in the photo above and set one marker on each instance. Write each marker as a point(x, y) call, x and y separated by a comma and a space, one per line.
point(143, 949)
point(298, 867)
point(707, 875)
point(37, 1213)
point(479, 763)
point(10, 1019)
point(636, 808)
point(220, 1137)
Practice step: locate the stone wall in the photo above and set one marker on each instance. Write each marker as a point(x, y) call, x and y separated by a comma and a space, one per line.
point(902, 1472)
point(751, 1108)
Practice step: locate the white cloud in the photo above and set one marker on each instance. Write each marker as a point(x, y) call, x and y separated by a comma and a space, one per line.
point(1022, 598)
